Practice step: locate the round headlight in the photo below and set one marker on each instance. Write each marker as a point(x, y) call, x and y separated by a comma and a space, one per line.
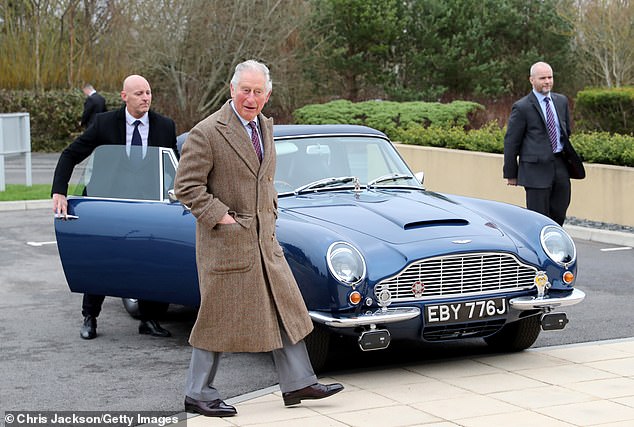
point(346, 263)
point(558, 245)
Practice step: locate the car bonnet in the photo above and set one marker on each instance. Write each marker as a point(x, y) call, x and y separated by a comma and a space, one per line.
point(394, 216)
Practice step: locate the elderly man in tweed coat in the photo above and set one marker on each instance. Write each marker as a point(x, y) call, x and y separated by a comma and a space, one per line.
point(250, 301)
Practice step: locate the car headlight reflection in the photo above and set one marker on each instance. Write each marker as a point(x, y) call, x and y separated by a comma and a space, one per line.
point(558, 245)
point(346, 263)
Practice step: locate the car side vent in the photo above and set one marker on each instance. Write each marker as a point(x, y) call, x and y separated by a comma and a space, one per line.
point(434, 223)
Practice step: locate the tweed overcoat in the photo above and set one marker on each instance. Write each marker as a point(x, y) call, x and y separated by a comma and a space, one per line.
point(247, 289)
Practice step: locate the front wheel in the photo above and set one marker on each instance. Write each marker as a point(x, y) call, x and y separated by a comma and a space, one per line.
point(516, 336)
point(318, 346)
point(131, 305)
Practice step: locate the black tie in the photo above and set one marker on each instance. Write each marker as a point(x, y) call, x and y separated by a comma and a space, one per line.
point(136, 153)
point(136, 135)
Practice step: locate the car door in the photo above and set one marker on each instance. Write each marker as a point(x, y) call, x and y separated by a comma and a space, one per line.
point(123, 236)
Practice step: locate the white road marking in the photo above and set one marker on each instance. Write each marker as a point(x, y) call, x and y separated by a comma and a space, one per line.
point(622, 248)
point(41, 243)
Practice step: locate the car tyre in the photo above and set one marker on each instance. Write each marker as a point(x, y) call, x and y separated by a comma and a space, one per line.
point(318, 347)
point(131, 305)
point(516, 336)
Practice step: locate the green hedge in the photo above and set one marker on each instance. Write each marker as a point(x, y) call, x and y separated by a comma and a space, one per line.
point(605, 147)
point(593, 147)
point(606, 110)
point(447, 126)
point(54, 115)
point(388, 116)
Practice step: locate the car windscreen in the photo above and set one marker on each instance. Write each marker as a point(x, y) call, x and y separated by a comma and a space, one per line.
point(301, 161)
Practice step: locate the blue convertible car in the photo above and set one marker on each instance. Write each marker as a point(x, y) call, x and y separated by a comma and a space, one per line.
point(376, 255)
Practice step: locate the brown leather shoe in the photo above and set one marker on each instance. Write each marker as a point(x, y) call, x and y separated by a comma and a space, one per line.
point(209, 408)
point(315, 391)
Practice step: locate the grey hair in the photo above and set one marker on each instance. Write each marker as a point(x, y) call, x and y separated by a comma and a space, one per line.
point(253, 66)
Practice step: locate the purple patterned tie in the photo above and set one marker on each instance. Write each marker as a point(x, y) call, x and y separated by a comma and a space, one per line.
point(255, 140)
point(550, 123)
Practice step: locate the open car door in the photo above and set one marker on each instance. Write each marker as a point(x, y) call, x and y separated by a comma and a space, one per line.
point(123, 235)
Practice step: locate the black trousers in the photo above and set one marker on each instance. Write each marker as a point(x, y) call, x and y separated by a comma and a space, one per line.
point(91, 306)
point(554, 200)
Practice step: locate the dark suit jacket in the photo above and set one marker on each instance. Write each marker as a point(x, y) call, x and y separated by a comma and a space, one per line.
point(109, 129)
point(527, 137)
point(93, 105)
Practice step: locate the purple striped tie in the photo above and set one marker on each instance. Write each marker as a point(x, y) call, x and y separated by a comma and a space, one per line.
point(255, 140)
point(550, 123)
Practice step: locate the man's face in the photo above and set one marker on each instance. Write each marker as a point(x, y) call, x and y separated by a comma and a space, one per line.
point(542, 79)
point(137, 95)
point(249, 96)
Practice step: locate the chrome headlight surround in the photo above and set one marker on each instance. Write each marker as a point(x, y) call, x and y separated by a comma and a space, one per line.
point(346, 263)
point(558, 245)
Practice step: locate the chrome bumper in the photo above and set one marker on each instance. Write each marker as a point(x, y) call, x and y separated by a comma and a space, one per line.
point(547, 303)
point(390, 315)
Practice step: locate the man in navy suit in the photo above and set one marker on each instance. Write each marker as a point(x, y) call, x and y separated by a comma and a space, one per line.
point(133, 124)
point(93, 105)
point(538, 133)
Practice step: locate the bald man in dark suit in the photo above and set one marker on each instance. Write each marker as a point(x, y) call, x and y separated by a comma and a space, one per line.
point(538, 134)
point(116, 127)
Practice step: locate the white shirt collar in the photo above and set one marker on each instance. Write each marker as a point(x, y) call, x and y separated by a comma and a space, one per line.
point(541, 96)
point(130, 119)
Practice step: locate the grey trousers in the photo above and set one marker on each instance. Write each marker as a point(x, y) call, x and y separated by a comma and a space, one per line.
point(291, 361)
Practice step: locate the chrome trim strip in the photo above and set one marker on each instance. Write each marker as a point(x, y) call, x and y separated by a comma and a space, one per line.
point(391, 315)
point(335, 135)
point(532, 303)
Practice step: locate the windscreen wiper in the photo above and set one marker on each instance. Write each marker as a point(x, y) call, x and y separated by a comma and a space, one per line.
point(323, 183)
point(389, 177)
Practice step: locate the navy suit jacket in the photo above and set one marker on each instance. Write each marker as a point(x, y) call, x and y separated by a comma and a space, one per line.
point(527, 137)
point(109, 129)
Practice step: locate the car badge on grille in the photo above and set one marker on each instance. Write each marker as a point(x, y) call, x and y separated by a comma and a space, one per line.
point(461, 242)
point(417, 288)
point(383, 296)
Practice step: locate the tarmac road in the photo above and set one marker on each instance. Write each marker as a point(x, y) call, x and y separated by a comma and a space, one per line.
point(47, 366)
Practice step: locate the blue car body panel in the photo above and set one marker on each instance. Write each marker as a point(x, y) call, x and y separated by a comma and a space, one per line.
point(145, 249)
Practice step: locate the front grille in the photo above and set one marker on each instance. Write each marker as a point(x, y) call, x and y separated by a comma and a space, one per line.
point(458, 275)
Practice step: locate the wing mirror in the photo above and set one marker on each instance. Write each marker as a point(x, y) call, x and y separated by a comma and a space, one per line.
point(420, 176)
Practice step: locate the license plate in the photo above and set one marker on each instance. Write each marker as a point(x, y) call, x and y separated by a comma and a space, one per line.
point(459, 312)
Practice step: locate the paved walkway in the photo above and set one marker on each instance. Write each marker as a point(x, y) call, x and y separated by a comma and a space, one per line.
point(589, 384)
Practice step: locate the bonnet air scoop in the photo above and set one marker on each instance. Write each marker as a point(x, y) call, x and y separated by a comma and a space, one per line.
point(435, 223)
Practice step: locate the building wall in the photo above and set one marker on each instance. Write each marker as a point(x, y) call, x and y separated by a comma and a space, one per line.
point(606, 194)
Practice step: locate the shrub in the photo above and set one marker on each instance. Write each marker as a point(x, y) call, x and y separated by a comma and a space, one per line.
point(605, 147)
point(449, 126)
point(606, 110)
point(593, 147)
point(387, 116)
point(54, 115)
